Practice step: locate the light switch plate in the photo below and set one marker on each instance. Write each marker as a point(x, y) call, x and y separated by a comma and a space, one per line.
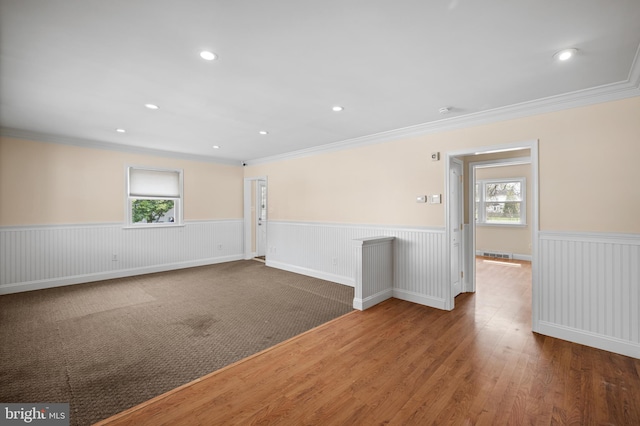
point(421, 199)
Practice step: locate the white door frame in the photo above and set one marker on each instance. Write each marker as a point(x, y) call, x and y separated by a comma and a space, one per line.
point(261, 226)
point(470, 242)
point(248, 253)
point(459, 194)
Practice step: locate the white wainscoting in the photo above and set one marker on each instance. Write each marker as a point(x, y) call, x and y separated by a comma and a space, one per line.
point(374, 271)
point(589, 289)
point(39, 257)
point(325, 251)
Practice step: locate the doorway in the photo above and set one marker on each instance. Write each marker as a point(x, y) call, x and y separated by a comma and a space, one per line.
point(255, 218)
point(260, 209)
point(468, 237)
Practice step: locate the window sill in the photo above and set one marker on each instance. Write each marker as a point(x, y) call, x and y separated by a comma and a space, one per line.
point(508, 225)
point(155, 226)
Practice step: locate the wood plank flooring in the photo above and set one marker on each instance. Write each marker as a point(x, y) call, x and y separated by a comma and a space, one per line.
point(400, 363)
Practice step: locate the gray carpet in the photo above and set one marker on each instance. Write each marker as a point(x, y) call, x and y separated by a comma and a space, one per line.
point(107, 346)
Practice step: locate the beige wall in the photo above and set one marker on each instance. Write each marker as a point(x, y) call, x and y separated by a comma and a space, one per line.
point(45, 183)
point(506, 239)
point(588, 177)
point(587, 166)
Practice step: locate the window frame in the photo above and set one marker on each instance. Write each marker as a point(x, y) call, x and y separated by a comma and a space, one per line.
point(481, 203)
point(178, 204)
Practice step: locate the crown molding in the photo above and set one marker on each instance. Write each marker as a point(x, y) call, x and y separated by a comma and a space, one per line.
point(580, 98)
point(634, 73)
point(108, 146)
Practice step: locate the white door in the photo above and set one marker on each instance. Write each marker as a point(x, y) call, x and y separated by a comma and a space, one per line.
point(455, 219)
point(261, 218)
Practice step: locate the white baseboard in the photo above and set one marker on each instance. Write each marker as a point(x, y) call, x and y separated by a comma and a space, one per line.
point(367, 302)
point(100, 276)
point(593, 340)
point(312, 273)
point(419, 298)
point(525, 257)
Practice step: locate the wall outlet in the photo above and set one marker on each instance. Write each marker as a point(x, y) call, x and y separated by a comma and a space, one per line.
point(114, 257)
point(219, 246)
point(335, 261)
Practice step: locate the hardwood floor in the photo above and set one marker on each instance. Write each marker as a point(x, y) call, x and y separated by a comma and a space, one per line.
point(401, 363)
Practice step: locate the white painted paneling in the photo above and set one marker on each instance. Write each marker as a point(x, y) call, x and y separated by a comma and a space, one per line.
point(589, 289)
point(325, 251)
point(48, 256)
point(374, 271)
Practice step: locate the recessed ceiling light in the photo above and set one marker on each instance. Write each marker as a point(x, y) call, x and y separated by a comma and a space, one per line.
point(565, 54)
point(216, 147)
point(263, 132)
point(208, 56)
point(151, 106)
point(121, 130)
point(337, 108)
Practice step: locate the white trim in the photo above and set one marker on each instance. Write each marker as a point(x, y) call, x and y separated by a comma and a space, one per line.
point(361, 226)
point(101, 276)
point(594, 340)
point(525, 257)
point(634, 72)
point(420, 299)
point(372, 241)
point(103, 225)
point(349, 281)
point(502, 162)
point(109, 146)
point(374, 299)
point(592, 237)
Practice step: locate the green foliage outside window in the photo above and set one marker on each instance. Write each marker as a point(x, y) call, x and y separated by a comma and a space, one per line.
point(150, 211)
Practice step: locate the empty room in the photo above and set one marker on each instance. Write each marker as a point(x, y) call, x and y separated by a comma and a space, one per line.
point(320, 213)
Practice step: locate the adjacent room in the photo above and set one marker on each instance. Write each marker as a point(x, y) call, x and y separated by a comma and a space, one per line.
point(332, 213)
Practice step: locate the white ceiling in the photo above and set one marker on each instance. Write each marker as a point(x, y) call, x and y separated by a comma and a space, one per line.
point(82, 68)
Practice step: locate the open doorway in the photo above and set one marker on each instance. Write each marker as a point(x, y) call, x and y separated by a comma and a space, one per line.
point(510, 208)
point(255, 218)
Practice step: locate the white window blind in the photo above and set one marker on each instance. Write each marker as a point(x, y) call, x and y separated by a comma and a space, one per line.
point(153, 183)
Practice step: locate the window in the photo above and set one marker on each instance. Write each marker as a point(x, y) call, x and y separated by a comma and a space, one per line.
point(154, 196)
point(501, 202)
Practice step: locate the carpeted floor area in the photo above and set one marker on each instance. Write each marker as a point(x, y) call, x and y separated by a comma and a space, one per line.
point(107, 346)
